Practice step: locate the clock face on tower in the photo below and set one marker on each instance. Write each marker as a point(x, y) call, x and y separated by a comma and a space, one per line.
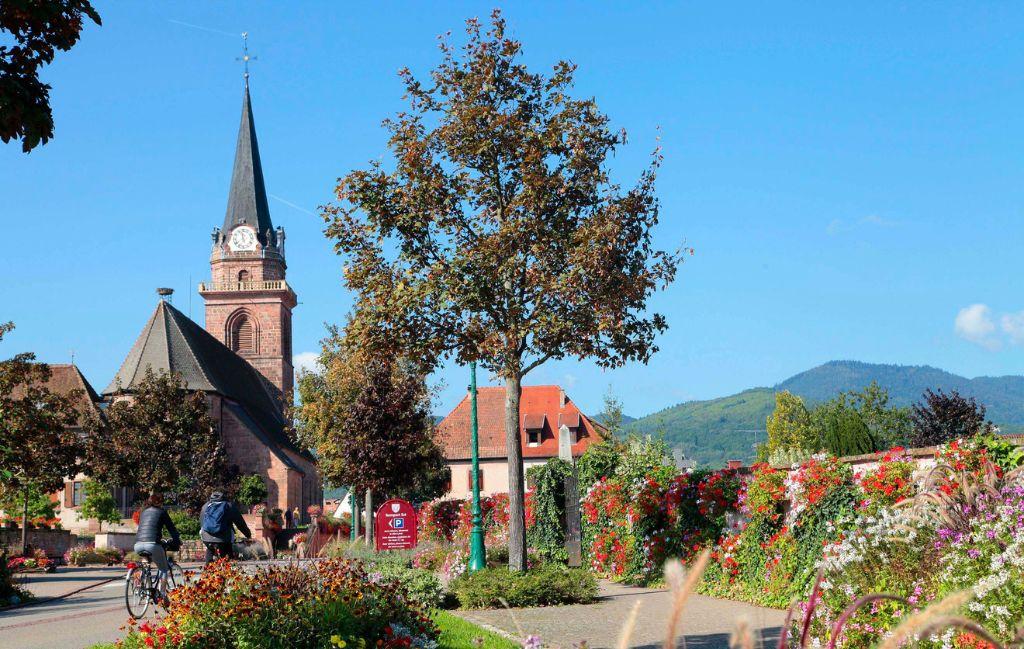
point(243, 239)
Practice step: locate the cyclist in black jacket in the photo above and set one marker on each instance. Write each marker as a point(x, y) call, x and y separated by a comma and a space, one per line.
point(149, 538)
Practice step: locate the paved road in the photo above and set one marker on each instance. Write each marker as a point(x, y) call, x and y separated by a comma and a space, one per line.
point(81, 620)
point(706, 623)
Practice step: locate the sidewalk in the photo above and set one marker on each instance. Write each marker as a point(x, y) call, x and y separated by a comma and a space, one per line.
point(706, 622)
point(67, 579)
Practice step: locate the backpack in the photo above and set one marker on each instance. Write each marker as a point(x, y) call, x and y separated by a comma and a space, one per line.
point(215, 518)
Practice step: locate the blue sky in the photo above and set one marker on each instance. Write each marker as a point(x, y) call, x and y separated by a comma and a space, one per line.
point(849, 175)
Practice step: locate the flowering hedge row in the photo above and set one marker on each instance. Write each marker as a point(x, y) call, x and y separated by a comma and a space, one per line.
point(872, 531)
point(445, 527)
point(632, 526)
point(965, 532)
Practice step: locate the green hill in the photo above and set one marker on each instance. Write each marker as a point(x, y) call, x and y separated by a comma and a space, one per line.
point(726, 428)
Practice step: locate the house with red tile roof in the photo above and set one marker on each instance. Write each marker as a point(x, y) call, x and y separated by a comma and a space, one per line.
point(543, 410)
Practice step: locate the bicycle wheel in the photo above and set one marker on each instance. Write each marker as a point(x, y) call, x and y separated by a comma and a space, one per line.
point(136, 591)
point(178, 577)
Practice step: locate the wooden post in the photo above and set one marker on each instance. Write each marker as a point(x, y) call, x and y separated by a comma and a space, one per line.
point(573, 523)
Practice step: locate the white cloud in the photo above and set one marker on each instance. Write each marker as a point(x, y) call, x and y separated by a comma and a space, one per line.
point(1013, 325)
point(306, 362)
point(839, 226)
point(874, 219)
point(974, 323)
point(569, 381)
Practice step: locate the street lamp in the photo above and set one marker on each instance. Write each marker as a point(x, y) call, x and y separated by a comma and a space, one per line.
point(477, 552)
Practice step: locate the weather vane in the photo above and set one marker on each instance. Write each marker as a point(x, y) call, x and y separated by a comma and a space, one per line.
point(245, 56)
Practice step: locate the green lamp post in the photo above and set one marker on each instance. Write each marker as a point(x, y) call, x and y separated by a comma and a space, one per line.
point(477, 552)
point(352, 508)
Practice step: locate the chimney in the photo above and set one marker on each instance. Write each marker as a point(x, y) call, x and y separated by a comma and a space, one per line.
point(561, 398)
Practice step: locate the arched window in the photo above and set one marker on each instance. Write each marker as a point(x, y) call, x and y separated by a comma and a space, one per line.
point(243, 276)
point(242, 331)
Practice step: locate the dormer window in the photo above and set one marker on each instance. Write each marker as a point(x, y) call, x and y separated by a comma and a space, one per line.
point(570, 420)
point(534, 426)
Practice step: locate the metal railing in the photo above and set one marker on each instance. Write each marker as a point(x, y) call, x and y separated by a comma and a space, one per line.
point(269, 285)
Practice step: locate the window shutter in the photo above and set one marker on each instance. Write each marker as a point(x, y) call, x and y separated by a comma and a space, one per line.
point(480, 476)
point(69, 493)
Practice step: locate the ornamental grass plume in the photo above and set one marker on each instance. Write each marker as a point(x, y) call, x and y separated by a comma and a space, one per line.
point(627, 629)
point(682, 582)
point(742, 638)
point(933, 618)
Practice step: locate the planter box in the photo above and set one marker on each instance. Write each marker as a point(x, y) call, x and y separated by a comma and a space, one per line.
point(117, 540)
point(53, 542)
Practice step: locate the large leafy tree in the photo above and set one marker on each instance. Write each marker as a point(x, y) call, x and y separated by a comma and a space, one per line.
point(38, 448)
point(99, 504)
point(368, 417)
point(160, 438)
point(38, 29)
point(890, 425)
point(790, 427)
point(497, 236)
point(942, 417)
point(841, 428)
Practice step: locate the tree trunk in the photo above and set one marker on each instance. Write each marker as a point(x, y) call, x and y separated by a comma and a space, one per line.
point(24, 523)
point(516, 487)
point(369, 517)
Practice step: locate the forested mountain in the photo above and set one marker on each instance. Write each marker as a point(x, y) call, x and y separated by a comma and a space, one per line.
point(717, 430)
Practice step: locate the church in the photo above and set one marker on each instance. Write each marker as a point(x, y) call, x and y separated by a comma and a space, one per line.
point(242, 359)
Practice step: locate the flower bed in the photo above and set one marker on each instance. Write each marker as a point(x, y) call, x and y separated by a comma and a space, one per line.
point(36, 561)
point(84, 555)
point(333, 603)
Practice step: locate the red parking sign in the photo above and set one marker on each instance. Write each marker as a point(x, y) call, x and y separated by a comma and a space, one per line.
point(396, 525)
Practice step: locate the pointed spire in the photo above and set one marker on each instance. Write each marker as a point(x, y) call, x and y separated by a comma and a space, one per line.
point(247, 198)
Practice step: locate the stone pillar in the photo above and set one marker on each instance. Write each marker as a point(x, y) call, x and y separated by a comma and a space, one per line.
point(573, 523)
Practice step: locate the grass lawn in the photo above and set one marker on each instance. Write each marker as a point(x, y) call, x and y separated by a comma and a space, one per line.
point(456, 633)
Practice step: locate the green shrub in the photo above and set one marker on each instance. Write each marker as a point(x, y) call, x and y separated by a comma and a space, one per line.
point(188, 526)
point(252, 489)
point(547, 585)
point(422, 586)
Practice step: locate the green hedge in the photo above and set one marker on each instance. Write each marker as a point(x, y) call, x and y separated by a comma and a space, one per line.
point(547, 585)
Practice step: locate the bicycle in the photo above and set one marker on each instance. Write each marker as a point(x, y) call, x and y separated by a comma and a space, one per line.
point(143, 585)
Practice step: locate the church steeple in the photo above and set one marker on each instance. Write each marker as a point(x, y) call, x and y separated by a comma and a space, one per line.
point(248, 300)
point(247, 197)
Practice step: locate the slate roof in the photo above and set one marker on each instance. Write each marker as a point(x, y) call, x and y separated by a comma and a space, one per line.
point(247, 197)
point(539, 404)
point(171, 342)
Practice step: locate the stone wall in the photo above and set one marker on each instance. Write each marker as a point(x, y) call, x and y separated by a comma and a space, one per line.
point(54, 542)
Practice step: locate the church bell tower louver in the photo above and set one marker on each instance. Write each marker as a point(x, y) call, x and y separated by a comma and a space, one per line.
point(248, 301)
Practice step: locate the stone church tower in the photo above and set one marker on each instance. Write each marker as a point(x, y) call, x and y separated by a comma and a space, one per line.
point(248, 302)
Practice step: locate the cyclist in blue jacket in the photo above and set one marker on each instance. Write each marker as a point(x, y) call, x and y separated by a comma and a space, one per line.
point(218, 519)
